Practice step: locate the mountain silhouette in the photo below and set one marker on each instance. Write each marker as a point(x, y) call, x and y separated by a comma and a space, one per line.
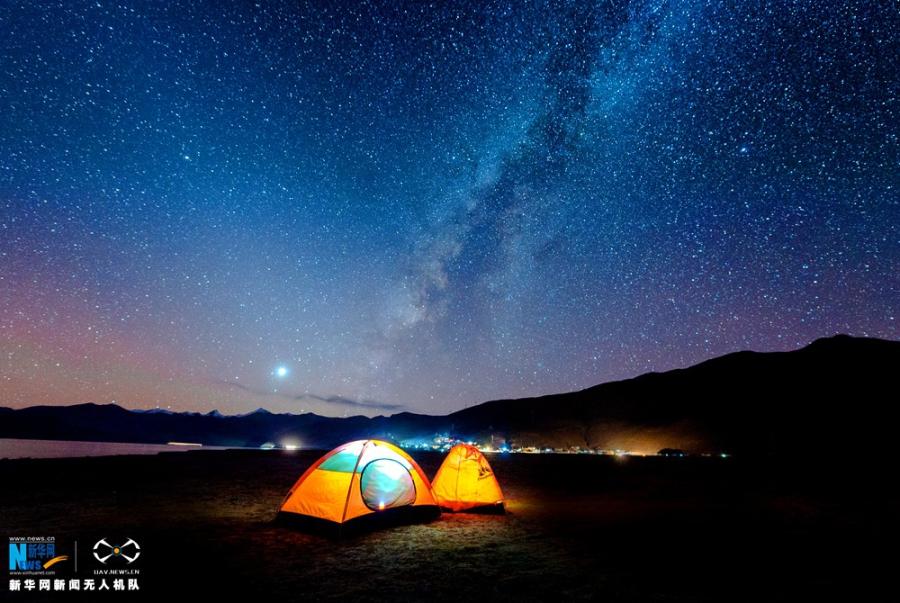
point(834, 396)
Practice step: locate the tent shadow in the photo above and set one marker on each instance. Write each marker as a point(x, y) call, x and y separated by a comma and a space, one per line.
point(389, 518)
point(495, 509)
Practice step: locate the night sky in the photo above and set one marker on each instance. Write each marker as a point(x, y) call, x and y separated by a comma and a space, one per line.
point(409, 206)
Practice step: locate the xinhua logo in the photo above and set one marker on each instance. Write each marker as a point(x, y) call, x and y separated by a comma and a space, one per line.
point(33, 555)
point(130, 551)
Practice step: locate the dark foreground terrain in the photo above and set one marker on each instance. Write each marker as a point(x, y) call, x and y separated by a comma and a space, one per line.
point(579, 528)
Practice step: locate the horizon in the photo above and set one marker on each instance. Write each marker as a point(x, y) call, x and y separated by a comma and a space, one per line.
point(376, 208)
point(218, 411)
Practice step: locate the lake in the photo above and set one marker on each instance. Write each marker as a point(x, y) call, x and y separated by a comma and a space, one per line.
point(46, 449)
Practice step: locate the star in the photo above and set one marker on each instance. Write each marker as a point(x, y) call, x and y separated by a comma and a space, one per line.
point(438, 205)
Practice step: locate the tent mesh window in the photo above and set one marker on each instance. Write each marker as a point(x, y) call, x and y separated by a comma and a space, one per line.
point(385, 484)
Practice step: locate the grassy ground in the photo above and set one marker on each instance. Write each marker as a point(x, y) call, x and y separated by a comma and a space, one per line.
point(579, 528)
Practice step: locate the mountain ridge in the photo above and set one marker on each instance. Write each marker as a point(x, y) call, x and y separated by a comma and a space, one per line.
point(745, 402)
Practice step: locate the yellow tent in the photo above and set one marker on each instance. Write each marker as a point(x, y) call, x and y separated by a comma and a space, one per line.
point(360, 479)
point(465, 481)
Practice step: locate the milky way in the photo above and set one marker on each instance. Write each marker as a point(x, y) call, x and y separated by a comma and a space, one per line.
point(403, 206)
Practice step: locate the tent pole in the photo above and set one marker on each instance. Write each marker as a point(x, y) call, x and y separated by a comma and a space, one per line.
point(350, 488)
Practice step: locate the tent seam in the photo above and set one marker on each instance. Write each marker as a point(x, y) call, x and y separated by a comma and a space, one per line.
point(352, 475)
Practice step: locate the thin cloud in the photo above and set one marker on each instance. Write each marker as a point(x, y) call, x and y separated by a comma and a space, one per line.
point(350, 402)
point(336, 400)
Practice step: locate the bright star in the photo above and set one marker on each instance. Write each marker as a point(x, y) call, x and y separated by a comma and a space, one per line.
point(281, 371)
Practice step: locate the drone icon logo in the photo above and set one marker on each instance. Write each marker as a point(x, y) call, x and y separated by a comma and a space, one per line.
point(129, 551)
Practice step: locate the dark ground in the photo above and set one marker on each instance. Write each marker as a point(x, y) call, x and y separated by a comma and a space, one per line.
point(579, 527)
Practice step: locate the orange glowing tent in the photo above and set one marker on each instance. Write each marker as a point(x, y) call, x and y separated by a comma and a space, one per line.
point(465, 482)
point(358, 480)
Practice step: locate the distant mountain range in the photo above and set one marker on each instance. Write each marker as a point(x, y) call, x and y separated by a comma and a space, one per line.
point(835, 396)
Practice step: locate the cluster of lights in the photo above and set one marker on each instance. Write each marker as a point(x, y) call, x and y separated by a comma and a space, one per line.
point(443, 442)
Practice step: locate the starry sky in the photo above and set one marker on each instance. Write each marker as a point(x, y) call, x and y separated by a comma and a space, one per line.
point(392, 206)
